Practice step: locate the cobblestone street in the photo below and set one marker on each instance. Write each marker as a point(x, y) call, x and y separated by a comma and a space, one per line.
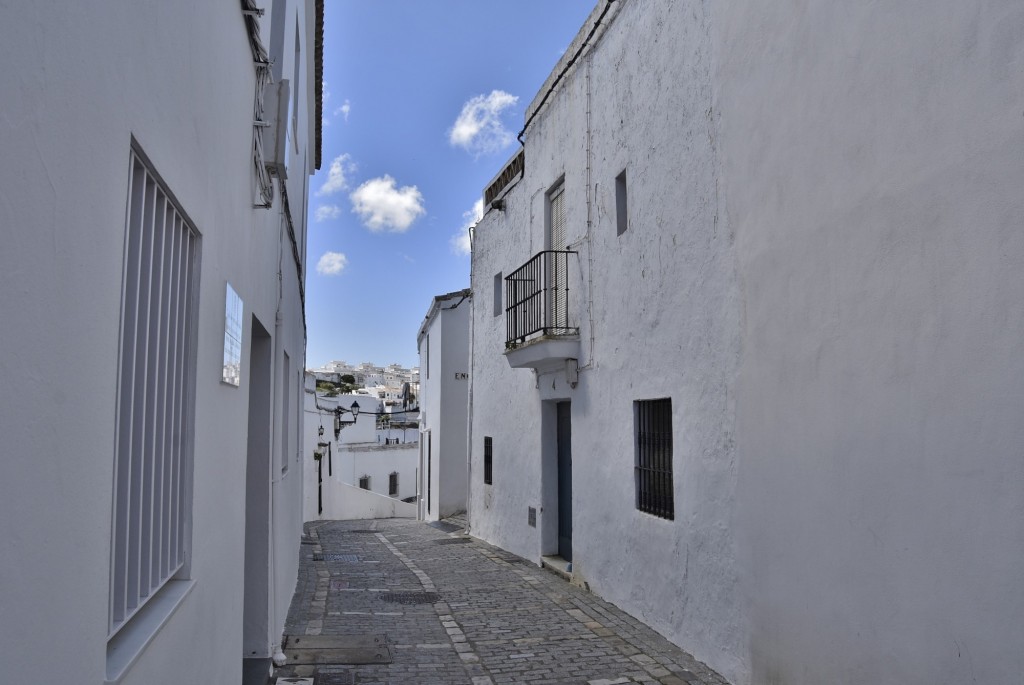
point(447, 609)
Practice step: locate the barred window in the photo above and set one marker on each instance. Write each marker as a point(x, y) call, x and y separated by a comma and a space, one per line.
point(488, 460)
point(393, 484)
point(155, 396)
point(653, 428)
point(364, 482)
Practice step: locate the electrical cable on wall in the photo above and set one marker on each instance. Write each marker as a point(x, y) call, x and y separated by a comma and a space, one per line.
point(261, 61)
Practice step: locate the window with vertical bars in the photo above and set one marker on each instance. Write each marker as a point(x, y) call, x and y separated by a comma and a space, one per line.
point(488, 460)
point(393, 484)
point(155, 396)
point(364, 482)
point(653, 427)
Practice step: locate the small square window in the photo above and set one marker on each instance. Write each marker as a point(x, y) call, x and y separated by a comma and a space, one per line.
point(364, 482)
point(488, 460)
point(653, 430)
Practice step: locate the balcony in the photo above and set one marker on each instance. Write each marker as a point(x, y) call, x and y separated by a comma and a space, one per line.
point(538, 329)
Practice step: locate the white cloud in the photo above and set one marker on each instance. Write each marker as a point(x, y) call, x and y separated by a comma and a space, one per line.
point(340, 167)
point(459, 242)
point(325, 212)
point(383, 207)
point(479, 129)
point(344, 110)
point(331, 264)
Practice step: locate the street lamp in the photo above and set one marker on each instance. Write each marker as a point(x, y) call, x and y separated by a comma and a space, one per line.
point(338, 423)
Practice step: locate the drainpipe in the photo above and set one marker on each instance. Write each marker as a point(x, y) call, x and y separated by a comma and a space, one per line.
point(276, 651)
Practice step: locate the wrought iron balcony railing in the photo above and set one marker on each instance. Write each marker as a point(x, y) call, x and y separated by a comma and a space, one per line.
point(537, 298)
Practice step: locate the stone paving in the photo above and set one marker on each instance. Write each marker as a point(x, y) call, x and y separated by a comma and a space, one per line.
point(456, 610)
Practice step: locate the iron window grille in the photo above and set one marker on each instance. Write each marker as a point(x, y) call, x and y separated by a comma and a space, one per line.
point(155, 396)
point(364, 482)
point(537, 297)
point(393, 484)
point(653, 428)
point(488, 460)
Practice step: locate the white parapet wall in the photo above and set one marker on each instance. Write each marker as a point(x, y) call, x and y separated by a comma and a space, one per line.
point(346, 502)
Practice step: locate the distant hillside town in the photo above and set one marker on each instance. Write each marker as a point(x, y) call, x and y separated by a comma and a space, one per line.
point(389, 382)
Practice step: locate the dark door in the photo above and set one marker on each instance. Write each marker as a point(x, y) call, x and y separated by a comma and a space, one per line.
point(256, 588)
point(564, 431)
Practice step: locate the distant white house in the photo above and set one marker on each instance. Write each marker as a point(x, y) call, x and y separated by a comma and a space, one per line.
point(748, 334)
point(153, 214)
point(363, 447)
point(443, 342)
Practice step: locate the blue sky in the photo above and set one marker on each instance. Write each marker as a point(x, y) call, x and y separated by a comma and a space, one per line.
point(423, 100)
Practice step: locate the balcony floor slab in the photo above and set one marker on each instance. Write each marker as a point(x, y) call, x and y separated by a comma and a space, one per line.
point(544, 354)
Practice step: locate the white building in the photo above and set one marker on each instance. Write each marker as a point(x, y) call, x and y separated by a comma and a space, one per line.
point(353, 455)
point(443, 342)
point(782, 340)
point(151, 495)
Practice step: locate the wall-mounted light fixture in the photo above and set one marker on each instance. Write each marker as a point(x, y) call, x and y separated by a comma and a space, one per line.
point(340, 423)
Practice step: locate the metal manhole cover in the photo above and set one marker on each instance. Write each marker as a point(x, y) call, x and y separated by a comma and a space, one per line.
point(446, 527)
point(410, 597)
point(453, 541)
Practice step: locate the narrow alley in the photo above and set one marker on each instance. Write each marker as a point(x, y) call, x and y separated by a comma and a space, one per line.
point(402, 601)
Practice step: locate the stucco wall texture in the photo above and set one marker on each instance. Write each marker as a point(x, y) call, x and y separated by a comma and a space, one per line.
point(80, 84)
point(822, 270)
point(443, 395)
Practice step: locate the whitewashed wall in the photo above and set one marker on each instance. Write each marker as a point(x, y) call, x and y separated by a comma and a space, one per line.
point(378, 462)
point(822, 272)
point(444, 397)
point(878, 216)
point(80, 82)
point(351, 503)
point(659, 317)
point(360, 449)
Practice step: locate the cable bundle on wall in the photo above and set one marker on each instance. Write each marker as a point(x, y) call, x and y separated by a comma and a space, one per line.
point(261, 61)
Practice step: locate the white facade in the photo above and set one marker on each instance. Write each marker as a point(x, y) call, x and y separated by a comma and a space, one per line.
point(110, 110)
point(361, 449)
point(820, 268)
point(443, 342)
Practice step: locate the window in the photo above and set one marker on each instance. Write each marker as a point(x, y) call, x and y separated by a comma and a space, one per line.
point(653, 427)
point(286, 395)
point(393, 484)
point(155, 396)
point(556, 217)
point(497, 294)
point(488, 460)
point(426, 356)
point(557, 280)
point(364, 482)
point(621, 213)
